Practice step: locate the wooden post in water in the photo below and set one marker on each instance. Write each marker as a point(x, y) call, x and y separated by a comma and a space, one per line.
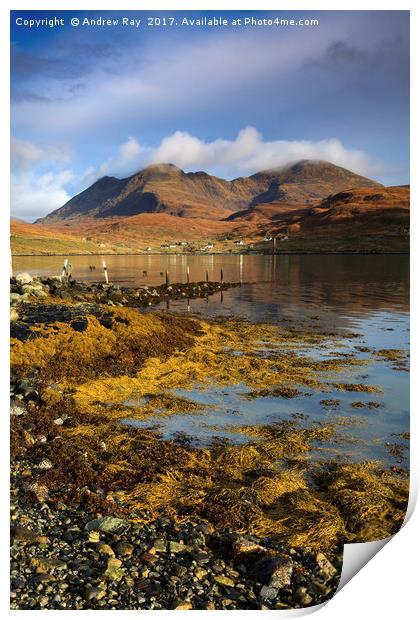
point(65, 272)
point(221, 276)
point(274, 245)
point(207, 277)
point(188, 274)
point(105, 272)
point(167, 278)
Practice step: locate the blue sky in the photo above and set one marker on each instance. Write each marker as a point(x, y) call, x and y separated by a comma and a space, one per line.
point(90, 101)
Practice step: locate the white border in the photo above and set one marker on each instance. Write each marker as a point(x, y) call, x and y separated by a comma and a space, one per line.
point(387, 586)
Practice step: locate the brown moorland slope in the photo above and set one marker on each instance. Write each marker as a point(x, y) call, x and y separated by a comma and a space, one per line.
point(123, 235)
point(361, 211)
point(382, 210)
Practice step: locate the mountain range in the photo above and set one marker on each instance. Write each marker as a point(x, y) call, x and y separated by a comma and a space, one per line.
point(317, 205)
point(164, 188)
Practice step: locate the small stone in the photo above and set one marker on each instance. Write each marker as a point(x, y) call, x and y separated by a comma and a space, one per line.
point(222, 580)
point(43, 601)
point(218, 566)
point(325, 565)
point(282, 574)
point(275, 571)
point(23, 278)
point(108, 525)
point(180, 571)
point(22, 534)
point(114, 570)
point(148, 558)
point(267, 593)
point(44, 565)
point(184, 605)
point(105, 549)
point(242, 545)
point(160, 545)
point(152, 588)
point(59, 421)
point(16, 409)
point(124, 548)
point(114, 563)
point(44, 464)
point(38, 492)
point(303, 597)
point(93, 536)
point(28, 439)
point(94, 592)
point(200, 573)
point(177, 547)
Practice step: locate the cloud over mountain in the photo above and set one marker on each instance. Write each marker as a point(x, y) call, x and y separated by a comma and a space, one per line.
point(34, 195)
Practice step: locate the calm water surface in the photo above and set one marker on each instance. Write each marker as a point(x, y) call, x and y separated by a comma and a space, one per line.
point(363, 295)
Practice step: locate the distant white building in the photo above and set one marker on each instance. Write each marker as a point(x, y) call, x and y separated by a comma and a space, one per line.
point(284, 239)
point(239, 242)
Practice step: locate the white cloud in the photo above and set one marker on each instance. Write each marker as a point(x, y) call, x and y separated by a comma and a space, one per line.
point(249, 153)
point(33, 196)
point(34, 191)
point(129, 150)
point(246, 154)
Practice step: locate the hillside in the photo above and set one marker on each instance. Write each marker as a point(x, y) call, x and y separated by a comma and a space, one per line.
point(361, 212)
point(124, 235)
point(164, 188)
point(361, 220)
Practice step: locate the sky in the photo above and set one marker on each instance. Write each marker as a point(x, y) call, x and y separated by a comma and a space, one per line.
point(89, 101)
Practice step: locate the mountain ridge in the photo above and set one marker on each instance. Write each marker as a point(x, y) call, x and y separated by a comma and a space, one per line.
point(165, 188)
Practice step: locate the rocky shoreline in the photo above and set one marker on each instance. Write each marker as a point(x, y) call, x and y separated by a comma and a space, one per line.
point(25, 288)
point(64, 558)
point(67, 556)
point(109, 515)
